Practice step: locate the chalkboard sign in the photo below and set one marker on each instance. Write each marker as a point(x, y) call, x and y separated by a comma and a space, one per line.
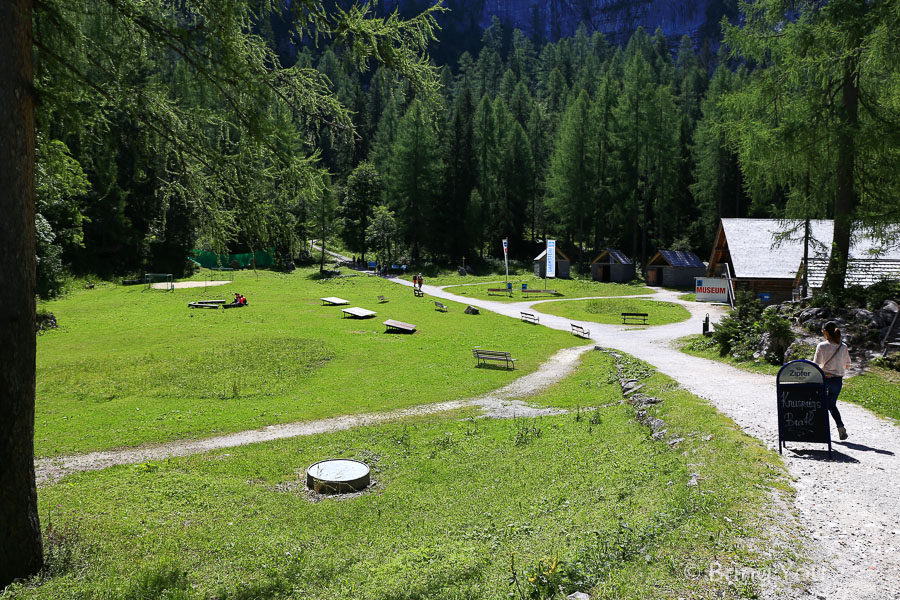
point(802, 408)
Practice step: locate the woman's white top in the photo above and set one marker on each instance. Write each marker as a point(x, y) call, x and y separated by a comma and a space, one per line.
point(834, 359)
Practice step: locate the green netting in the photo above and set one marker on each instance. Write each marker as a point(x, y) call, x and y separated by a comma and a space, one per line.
point(210, 260)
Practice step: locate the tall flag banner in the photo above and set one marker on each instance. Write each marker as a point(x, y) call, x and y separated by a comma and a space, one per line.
point(506, 256)
point(551, 258)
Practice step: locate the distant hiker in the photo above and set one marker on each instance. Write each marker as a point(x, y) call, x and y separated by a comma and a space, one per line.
point(833, 357)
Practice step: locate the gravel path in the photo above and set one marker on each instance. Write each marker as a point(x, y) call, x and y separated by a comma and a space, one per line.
point(506, 402)
point(847, 510)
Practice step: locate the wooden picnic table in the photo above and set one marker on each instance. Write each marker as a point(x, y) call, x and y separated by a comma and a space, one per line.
point(333, 301)
point(359, 313)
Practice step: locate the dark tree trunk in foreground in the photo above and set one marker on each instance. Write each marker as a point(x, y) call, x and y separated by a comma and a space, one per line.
point(845, 194)
point(20, 531)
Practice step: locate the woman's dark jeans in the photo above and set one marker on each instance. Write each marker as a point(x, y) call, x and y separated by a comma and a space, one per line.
point(833, 387)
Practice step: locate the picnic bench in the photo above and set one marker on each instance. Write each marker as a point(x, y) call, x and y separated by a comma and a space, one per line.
point(633, 317)
point(497, 355)
point(527, 291)
point(333, 301)
point(358, 313)
point(499, 290)
point(215, 304)
point(399, 326)
point(530, 317)
point(440, 306)
point(382, 299)
point(580, 331)
point(418, 293)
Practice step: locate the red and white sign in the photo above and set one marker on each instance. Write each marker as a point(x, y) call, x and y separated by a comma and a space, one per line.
point(709, 289)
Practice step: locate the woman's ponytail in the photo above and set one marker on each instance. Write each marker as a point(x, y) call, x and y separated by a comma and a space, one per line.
point(833, 332)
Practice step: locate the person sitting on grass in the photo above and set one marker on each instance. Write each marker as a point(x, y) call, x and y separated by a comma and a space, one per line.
point(239, 300)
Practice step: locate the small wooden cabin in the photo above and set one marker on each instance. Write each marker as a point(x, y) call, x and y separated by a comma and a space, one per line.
point(765, 256)
point(612, 265)
point(563, 264)
point(674, 268)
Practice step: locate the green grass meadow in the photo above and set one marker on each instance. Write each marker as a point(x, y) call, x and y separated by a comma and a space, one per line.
point(609, 310)
point(130, 365)
point(574, 288)
point(460, 508)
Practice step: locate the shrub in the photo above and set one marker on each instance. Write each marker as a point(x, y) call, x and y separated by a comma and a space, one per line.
point(740, 333)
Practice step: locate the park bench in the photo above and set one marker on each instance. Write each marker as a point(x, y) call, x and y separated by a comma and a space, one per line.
point(530, 317)
point(633, 317)
point(440, 306)
point(497, 355)
point(418, 293)
point(580, 331)
point(382, 299)
point(399, 326)
point(333, 301)
point(554, 292)
point(357, 312)
point(498, 290)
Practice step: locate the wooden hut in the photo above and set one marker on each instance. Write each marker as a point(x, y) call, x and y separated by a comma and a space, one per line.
point(765, 256)
point(674, 268)
point(612, 265)
point(563, 264)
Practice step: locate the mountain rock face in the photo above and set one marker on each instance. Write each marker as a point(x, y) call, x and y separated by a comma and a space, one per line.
point(548, 20)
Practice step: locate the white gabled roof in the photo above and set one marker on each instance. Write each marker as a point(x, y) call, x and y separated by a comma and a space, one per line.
point(773, 248)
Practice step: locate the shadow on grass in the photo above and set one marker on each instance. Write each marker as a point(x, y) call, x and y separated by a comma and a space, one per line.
point(493, 367)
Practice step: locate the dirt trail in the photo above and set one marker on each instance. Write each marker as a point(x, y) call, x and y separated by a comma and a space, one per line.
point(506, 402)
point(847, 509)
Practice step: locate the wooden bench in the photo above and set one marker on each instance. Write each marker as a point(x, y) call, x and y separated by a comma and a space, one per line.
point(499, 290)
point(632, 317)
point(357, 312)
point(399, 326)
point(418, 293)
point(204, 305)
point(497, 355)
point(439, 306)
point(530, 317)
point(333, 301)
point(382, 299)
point(580, 331)
point(554, 292)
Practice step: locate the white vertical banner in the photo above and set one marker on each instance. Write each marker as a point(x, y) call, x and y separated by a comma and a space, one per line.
point(551, 258)
point(506, 256)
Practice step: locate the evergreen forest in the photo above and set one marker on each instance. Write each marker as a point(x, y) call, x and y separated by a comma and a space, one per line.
point(144, 154)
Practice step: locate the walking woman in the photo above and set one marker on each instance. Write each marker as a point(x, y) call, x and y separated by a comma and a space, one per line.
point(833, 358)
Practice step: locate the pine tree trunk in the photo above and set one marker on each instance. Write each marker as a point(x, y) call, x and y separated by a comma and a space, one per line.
point(845, 194)
point(20, 531)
